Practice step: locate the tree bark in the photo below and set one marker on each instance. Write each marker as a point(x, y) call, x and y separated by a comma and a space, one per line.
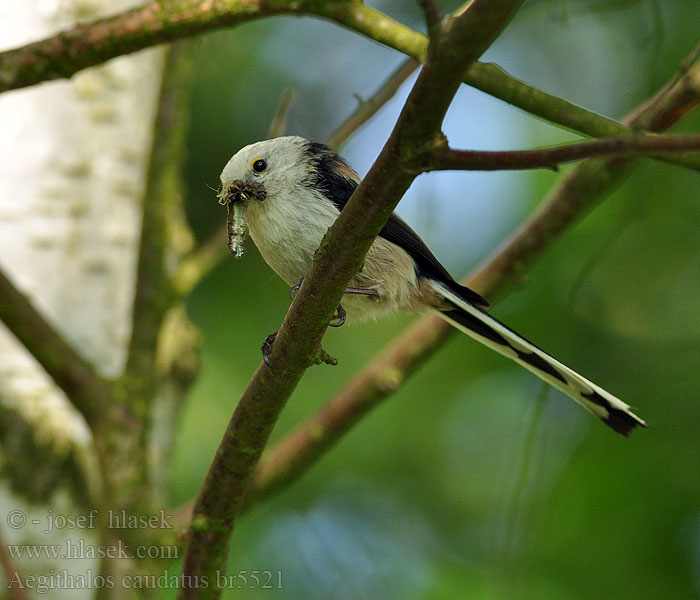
point(73, 163)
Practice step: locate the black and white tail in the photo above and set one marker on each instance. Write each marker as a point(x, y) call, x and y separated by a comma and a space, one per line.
point(494, 334)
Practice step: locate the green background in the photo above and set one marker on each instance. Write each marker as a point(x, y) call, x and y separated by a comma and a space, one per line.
point(475, 480)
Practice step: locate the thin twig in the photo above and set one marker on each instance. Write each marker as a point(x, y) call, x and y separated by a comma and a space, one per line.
point(686, 65)
point(199, 263)
point(278, 125)
point(668, 106)
point(368, 108)
point(550, 158)
point(208, 255)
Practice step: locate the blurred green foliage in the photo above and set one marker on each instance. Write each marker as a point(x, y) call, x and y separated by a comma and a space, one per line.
point(473, 481)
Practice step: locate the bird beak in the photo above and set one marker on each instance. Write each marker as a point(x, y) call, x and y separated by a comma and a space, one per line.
point(234, 196)
point(241, 191)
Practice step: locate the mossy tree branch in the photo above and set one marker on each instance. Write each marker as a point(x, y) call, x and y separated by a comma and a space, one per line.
point(86, 45)
point(460, 40)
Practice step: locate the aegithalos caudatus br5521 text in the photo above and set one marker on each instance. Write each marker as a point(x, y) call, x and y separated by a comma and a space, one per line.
point(288, 191)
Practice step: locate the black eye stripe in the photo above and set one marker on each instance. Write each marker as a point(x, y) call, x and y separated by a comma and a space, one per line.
point(259, 165)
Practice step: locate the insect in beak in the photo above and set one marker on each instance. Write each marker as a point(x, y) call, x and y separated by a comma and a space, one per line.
point(234, 197)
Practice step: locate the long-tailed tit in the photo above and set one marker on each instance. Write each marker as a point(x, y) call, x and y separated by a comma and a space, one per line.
point(288, 191)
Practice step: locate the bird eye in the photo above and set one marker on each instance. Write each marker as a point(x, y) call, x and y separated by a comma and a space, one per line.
point(258, 165)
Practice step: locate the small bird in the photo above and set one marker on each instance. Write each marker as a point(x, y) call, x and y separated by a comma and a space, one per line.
point(288, 191)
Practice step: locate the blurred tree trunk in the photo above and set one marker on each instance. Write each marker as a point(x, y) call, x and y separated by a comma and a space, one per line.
point(73, 165)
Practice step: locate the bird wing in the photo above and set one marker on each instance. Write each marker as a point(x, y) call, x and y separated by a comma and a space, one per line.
point(398, 231)
point(337, 181)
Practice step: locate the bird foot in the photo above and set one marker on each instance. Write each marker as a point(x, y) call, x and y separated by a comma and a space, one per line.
point(341, 316)
point(266, 347)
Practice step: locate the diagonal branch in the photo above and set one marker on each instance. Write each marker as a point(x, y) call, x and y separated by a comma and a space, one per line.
point(383, 375)
point(278, 125)
point(89, 393)
point(463, 37)
point(86, 45)
point(676, 98)
point(368, 108)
